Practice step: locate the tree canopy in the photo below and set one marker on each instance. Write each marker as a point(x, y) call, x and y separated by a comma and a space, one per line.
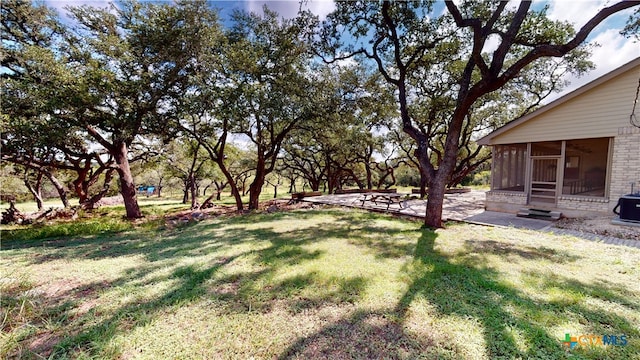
point(447, 67)
point(422, 80)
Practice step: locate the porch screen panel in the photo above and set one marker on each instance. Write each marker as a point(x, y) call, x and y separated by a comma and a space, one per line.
point(585, 167)
point(509, 167)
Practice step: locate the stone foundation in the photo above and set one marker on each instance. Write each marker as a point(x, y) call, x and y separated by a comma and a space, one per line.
point(569, 206)
point(505, 201)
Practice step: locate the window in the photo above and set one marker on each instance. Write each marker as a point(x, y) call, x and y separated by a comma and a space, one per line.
point(585, 167)
point(509, 164)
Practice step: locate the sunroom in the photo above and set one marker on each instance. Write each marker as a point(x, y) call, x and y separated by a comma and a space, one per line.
point(544, 173)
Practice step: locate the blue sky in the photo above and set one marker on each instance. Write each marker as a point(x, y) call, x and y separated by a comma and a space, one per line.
point(613, 51)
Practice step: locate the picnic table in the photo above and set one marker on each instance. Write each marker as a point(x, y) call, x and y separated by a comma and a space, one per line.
point(383, 198)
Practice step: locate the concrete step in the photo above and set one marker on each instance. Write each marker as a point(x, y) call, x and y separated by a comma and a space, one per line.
point(539, 214)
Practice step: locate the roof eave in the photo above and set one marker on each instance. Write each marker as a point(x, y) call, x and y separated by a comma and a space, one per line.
point(486, 140)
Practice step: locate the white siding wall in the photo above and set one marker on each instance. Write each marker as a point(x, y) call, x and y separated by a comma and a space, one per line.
point(596, 113)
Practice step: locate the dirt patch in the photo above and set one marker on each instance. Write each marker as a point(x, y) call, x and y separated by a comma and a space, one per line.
point(601, 226)
point(59, 289)
point(44, 342)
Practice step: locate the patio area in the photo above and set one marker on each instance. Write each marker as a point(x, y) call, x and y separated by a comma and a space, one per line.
point(467, 207)
point(458, 207)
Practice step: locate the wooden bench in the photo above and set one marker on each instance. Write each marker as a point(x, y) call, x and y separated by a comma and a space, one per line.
point(350, 191)
point(301, 195)
point(364, 191)
point(385, 191)
point(447, 191)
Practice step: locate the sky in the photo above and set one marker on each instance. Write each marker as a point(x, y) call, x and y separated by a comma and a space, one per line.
point(613, 50)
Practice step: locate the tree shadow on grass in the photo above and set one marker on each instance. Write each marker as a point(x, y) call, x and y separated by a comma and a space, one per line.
point(95, 339)
point(255, 289)
point(364, 335)
point(154, 244)
point(513, 324)
point(524, 252)
point(205, 237)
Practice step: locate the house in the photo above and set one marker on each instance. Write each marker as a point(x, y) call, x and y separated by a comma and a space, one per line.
point(576, 155)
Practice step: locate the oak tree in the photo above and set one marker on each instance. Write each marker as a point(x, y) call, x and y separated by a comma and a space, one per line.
point(488, 44)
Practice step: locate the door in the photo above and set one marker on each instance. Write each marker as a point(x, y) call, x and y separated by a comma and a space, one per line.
point(543, 188)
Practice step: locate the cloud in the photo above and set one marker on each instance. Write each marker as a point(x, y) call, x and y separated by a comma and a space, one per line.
point(575, 12)
point(289, 8)
point(614, 50)
point(60, 5)
point(579, 12)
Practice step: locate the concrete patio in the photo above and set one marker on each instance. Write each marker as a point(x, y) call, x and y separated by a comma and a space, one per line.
point(456, 206)
point(468, 207)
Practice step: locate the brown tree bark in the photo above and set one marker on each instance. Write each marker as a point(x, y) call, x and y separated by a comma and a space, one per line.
point(127, 185)
point(256, 186)
point(193, 191)
point(232, 183)
point(79, 184)
point(62, 192)
point(35, 189)
point(92, 201)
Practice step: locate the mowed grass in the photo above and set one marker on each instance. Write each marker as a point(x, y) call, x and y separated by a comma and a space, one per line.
point(316, 284)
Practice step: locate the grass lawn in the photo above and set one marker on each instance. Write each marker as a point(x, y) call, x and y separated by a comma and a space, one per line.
point(169, 201)
point(314, 284)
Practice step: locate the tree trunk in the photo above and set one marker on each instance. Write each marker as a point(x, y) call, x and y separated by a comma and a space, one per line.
point(79, 184)
point(207, 203)
point(423, 184)
point(355, 178)
point(185, 191)
point(35, 189)
point(255, 188)
point(91, 202)
point(159, 186)
point(435, 200)
point(85, 179)
point(59, 188)
point(292, 185)
point(194, 192)
point(231, 182)
point(315, 185)
point(244, 186)
point(127, 185)
point(367, 167)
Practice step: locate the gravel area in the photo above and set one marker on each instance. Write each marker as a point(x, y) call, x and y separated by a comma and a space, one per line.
point(601, 226)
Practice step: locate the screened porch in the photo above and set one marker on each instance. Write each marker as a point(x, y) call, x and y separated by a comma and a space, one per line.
point(544, 171)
